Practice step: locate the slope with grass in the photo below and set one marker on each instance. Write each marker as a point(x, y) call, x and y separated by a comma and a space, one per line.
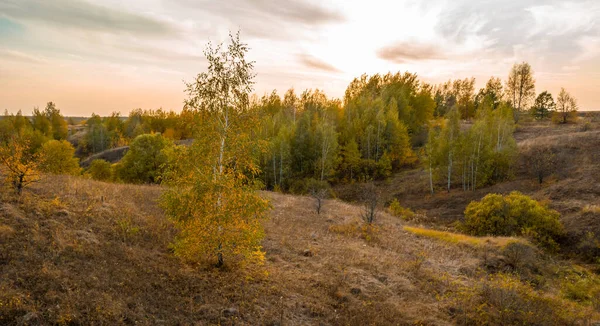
point(572, 188)
point(76, 251)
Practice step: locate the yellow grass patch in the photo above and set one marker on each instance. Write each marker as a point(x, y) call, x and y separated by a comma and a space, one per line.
point(458, 238)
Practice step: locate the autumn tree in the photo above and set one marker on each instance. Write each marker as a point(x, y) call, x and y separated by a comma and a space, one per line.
point(566, 107)
point(213, 197)
point(100, 170)
point(58, 157)
point(18, 165)
point(492, 94)
point(520, 86)
point(145, 160)
point(480, 155)
point(544, 105)
point(57, 121)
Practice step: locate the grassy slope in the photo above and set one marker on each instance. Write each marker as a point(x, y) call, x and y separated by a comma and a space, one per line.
point(573, 190)
point(84, 252)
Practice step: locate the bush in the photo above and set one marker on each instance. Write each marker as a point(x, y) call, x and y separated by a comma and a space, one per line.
point(513, 215)
point(100, 170)
point(397, 210)
point(58, 157)
point(146, 159)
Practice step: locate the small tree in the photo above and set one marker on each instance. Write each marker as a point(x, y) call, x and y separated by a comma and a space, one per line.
point(100, 170)
point(57, 157)
point(566, 107)
point(18, 164)
point(539, 161)
point(370, 199)
point(543, 106)
point(319, 190)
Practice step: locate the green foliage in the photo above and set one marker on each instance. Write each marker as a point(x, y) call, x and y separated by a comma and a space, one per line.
point(397, 210)
point(544, 106)
point(513, 214)
point(480, 155)
point(57, 157)
point(100, 170)
point(145, 160)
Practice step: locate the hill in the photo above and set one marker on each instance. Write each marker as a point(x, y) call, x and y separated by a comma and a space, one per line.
point(572, 186)
point(75, 251)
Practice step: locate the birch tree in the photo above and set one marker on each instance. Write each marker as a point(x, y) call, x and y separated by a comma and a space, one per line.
point(213, 198)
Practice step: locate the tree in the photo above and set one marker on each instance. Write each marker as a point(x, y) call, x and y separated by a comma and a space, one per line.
point(370, 200)
point(60, 129)
point(19, 165)
point(566, 106)
point(145, 160)
point(213, 197)
point(520, 87)
point(539, 161)
point(492, 93)
point(57, 157)
point(543, 106)
point(100, 170)
point(319, 190)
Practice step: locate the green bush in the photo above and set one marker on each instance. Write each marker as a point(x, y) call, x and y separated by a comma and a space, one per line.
point(146, 160)
point(100, 170)
point(58, 157)
point(513, 215)
point(397, 210)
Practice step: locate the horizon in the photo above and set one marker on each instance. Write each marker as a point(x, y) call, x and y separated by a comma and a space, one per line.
point(99, 58)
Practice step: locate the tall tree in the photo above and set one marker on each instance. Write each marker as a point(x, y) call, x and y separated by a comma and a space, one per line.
point(213, 198)
point(520, 87)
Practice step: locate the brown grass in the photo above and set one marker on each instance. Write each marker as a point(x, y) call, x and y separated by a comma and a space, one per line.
point(76, 251)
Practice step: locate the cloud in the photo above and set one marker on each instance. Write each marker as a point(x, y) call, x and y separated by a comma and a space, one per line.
point(402, 52)
point(270, 19)
point(13, 55)
point(82, 15)
point(316, 63)
point(565, 18)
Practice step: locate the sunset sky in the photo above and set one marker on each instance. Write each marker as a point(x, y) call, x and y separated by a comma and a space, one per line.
point(114, 55)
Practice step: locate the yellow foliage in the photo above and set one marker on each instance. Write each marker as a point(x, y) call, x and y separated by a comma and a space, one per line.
point(18, 164)
point(397, 210)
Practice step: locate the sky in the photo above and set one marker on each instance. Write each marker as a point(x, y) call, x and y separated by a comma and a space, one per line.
point(113, 55)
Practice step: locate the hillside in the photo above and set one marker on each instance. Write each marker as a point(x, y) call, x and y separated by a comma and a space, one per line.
point(76, 251)
point(573, 188)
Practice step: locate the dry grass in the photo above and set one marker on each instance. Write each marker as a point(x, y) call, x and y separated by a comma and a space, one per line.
point(458, 238)
point(76, 251)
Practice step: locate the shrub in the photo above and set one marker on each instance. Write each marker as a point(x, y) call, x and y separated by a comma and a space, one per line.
point(513, 214)
point(502, 299)
point(145, 161)
point(58, 157)
point(397, 210)
point(100, 170)
point(319, 190)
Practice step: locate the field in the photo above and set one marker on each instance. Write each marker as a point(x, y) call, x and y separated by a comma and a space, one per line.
point(78, 251)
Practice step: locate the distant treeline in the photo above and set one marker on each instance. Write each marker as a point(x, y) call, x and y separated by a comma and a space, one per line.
point(382, 123)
